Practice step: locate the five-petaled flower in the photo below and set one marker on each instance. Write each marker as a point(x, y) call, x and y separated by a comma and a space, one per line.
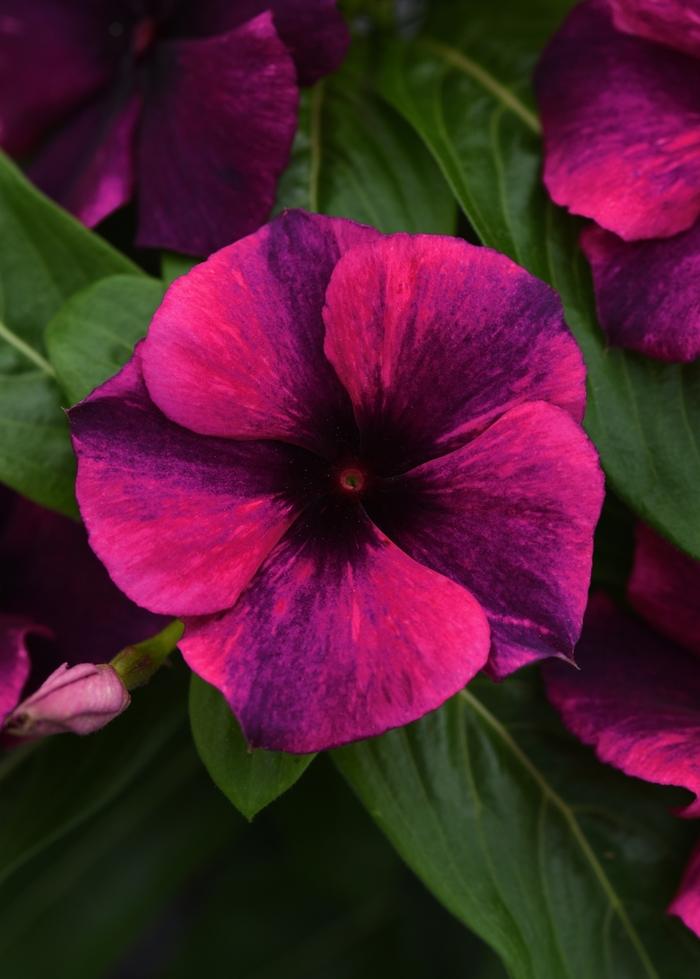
point(58, 606)
point(619, 93)
point(636, 699)
point(194, 103)
point(353, 463)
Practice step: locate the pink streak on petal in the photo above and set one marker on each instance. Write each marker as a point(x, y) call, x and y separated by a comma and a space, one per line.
point(686, 903)
point(648, 292)
point(14, 661)
point(336, 640)
point(181, 522)
point(511, 517)
point(636, 700)
point(621, 120)
point(451, 337)
point(672, 22)
point(236, 348)
point(665, 589)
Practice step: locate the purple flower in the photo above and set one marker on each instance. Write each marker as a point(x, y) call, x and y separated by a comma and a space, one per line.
point(636, 699)
point(193, 102)
point(57, 603)
point(78, 699)
point(619, 93)
point(353, 463)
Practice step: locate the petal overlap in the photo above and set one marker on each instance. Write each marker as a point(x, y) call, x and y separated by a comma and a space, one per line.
point(339, 636)
point(511, 517)
point(219, 506)
point(431, 308)
point(672, 22)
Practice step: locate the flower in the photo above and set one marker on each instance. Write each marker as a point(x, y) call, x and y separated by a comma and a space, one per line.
point(636, 699)
point(196, 102)
point(619, 92)
point(80, 699)
point(57, 603)
point(353, 464)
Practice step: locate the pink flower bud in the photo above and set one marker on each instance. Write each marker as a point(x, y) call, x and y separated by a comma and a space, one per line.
point(81, 699)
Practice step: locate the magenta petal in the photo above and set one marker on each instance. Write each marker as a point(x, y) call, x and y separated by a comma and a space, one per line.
point(14, 661)
point(686, 903)
point(672, 22)
point(313, 30)
point(53, 55)
point(181, 522)
point(665, 589)
point(236, 348)
point(648, 292)
point(621, 120)
point(88, 167)
point(511, 517)
point(451, 337)
point(636, 699)
point(218, 123)
point(340, 636)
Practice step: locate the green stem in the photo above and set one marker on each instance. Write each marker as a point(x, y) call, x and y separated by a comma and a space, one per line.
point(29, 352)
point(137, 664)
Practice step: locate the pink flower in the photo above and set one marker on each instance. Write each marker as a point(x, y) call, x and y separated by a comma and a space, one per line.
point(354, 464)
point(80, 699)
point(619, 93)
point(636, 699)
point(192, 103)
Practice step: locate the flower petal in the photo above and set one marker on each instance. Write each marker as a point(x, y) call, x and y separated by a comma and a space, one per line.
point(218, 123)
point(14, 662)
point(49, 575)
point(686, 903)
point(621, 123)
point(180, 521)
point(452, 336)
point(340, 636)
point(636, 699)
point(88, 166)
point(648, 292)
point(511, 517)
point(671, 22)
point(664, 588)
point(54, 54)
point(313, 30)
point(236, 348)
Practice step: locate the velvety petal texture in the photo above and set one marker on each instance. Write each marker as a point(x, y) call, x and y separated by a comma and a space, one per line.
point(672, 22)
point(511, 517)
point(354, 464)
point(181, 522)
point(648, 292)
point(665, 589)
point(216, 132)
point(431, 308)
point(236, 348)
point(635, 699)
point(621, 121)
point(338, 639)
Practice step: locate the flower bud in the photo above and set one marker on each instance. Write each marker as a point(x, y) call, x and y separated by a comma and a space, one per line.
point(81, 699)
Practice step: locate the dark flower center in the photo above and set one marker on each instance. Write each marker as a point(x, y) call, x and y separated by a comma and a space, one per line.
point(351, 480)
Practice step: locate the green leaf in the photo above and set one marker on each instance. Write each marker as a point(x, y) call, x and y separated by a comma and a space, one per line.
point(45, 257)
point(355, 157)
point(51, 787)
point(467, 93)
point(563, 865)
point(250, 779)
point(94, 333)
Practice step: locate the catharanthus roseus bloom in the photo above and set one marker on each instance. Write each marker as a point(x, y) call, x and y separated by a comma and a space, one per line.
point(57, 604)
point(636, 699)
point(353, 464)
point(194, 104)
point(619, 93)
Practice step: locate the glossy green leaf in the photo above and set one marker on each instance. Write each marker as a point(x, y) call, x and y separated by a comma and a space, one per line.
point(46, 256)
point(250, 779)
point(464, 86)
point(355, 157)
point(94, 333)
point(563, 865)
